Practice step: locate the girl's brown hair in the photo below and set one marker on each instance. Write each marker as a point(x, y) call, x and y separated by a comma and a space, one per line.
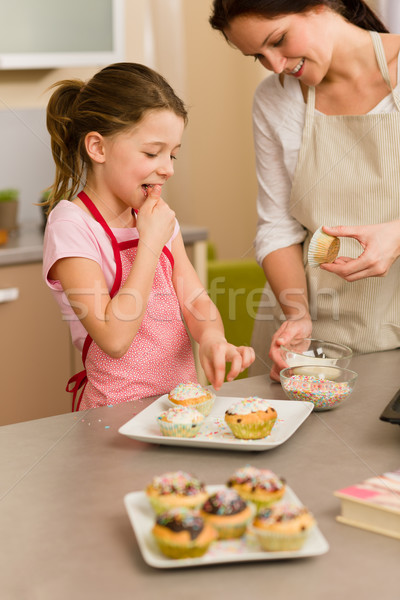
point(355, 11)
point(116, 98)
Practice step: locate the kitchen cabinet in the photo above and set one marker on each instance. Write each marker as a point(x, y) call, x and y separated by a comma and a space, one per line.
point(36, 352)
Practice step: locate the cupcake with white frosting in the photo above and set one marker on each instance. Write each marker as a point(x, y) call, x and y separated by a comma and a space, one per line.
point(180, 421)
point(251, 418)
point(193, 395)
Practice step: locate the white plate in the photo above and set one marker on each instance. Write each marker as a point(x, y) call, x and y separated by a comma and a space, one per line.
point(244, 549)
point(214, 432)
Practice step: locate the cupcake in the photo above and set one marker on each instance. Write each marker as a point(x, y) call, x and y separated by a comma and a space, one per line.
point(180, 421)
point(260, 486)
point(183, 533)
point(175, 488)
point(323, 248)
point(251, 418)
point(193, 395)
point(228, 513)
point(282, 527)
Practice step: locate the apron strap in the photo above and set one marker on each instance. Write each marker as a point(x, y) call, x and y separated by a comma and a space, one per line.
point(79, 380)
point(383, 67)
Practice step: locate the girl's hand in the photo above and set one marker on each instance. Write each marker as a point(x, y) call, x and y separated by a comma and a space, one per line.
point(289, 331)
point(215, 352)
point(381, 244)
point(155, 221)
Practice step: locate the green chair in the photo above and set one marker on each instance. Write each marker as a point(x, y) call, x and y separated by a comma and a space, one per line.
point(235, 286)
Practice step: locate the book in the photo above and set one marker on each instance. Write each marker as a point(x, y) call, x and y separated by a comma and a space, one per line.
point(373, 504)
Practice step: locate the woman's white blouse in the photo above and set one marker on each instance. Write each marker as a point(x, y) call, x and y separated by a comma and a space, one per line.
point(278, 121)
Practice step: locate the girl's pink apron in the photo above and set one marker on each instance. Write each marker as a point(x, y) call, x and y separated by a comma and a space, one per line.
point(160, 356)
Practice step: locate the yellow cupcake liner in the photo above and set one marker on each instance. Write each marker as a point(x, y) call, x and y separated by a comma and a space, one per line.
point(323, 248)
point(179, 551)
point(252, 431)
point(159, 506)
point(260, 504)
point(228, 530)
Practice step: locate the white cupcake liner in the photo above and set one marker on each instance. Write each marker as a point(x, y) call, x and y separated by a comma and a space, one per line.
point(185, 430)
point(319, 246)
point(273, 541)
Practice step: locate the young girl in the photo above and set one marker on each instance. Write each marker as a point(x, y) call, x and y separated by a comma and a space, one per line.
point(113, 255)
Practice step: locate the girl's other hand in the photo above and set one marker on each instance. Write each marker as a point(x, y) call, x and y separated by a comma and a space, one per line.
point(215, 352)
point(381, 244)
point(289, 331)
point(155, 221)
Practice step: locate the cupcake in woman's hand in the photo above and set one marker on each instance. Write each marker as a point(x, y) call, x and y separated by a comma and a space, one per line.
point(251, 418)
point(323, 248)
point(175, 488)
point(260, 486)
point(228, 513)
point(282, 527)
point(193, 395)
point(180, 421)
point(183, 533)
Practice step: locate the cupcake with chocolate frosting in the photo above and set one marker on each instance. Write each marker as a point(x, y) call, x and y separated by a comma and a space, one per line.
point(183, 533)
point(228, 513)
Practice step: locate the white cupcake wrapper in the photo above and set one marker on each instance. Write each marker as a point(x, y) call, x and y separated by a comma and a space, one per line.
point(317, 248)
point(184, 430)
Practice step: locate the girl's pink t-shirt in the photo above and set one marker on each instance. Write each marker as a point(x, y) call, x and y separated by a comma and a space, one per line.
point(71, 232)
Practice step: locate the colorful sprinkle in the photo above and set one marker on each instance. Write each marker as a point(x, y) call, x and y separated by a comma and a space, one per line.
point(177, 482)
point(249, 405)
point(181, 414)
point(263, 479)
point(224, 502)
point(323, 393)
point(188, 390)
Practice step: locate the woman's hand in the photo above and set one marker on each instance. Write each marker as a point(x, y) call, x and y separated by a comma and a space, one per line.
point(381, 244)
point(289, 331)
point(215, 352)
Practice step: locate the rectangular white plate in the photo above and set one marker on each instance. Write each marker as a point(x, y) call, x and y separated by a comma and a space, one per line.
point(214, 432)
point(244, 549)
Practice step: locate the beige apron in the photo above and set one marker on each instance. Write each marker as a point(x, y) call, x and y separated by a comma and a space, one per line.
point(348, 173)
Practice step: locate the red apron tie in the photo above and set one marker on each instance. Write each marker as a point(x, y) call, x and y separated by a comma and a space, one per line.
point(79, 380)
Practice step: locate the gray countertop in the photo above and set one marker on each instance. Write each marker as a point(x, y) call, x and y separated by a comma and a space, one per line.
point(66, 534)
point(26, 245)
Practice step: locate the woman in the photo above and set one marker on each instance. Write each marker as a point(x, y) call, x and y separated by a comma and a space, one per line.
point(326, 130)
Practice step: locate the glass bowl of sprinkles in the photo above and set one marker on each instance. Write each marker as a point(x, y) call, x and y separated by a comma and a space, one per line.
point(325, 386)
point(308, 351)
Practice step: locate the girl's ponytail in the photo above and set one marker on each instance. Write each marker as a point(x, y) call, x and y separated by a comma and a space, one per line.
point(359, 13)
point(65, 143)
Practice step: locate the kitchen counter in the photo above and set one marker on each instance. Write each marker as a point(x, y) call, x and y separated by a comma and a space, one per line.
point(66, 534)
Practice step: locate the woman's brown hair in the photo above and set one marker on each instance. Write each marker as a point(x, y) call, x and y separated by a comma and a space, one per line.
point(355, 11)
point(116, 98)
